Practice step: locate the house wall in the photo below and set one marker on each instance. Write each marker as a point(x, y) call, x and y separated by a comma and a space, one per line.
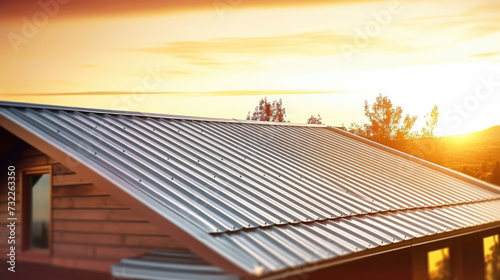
point(90, 229)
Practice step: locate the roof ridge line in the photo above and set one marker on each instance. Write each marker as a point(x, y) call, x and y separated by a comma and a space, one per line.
point(145, 114)
point(355, 215)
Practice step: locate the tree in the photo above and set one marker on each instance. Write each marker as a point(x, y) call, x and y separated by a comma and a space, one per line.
point(431, 121)
point(386, 124)
point(268, 111)
point(471, 171)
point(495, 173)
point(429, 146)
point(314, 120)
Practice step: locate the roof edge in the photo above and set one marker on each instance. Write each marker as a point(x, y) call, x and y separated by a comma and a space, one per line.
point(144, 114)
point(439, 168)
point(409, 243)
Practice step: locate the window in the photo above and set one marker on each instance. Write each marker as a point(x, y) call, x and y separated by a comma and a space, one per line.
point(36, 213)
point(491, 248)
point(438, 264)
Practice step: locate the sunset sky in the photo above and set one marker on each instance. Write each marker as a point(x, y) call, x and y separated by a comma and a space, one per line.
point(218, 58)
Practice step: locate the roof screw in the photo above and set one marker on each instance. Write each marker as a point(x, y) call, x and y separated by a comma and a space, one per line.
point(123, 127)
point(124, 151)
point(58, 131)
point(140, 180)
point(95, 153)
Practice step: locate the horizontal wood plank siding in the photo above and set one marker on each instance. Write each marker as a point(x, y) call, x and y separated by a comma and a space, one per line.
point(90, 229)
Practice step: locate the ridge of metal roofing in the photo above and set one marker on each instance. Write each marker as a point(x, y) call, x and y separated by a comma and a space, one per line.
point(144, 114)
point(249, 192)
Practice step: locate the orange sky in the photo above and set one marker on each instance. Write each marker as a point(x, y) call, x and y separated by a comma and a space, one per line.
point(217, 58)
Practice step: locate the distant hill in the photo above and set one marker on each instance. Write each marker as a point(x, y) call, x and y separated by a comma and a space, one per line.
point(472, 153)
point(491, 134)
point(473, 148)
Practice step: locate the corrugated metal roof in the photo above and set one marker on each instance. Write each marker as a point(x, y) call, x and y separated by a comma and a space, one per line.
point(291, 186)
point(300, 245)
point(296, 245)
point(162, 264)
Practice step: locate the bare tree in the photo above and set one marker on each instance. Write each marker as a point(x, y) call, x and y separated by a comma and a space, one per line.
point(268, 111)
point(315, 120)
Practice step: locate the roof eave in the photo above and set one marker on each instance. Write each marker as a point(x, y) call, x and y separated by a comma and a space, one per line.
point(380, 250)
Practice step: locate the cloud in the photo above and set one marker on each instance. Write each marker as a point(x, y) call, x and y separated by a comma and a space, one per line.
point(223, 52)
point(65, 83)
point(485, 55)
point(471, 23)
point(93, 8)
point(210, 93)
point(88, 66)
point(314, 43)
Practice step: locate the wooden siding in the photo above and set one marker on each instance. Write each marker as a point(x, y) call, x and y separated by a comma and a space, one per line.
point(91, 230)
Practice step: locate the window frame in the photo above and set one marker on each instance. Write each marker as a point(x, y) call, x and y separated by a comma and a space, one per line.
point(420, 257)
point(26, 213)
point(446, 248)
point(483, 237)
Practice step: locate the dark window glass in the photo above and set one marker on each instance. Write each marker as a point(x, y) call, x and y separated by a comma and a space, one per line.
point(40, 210)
